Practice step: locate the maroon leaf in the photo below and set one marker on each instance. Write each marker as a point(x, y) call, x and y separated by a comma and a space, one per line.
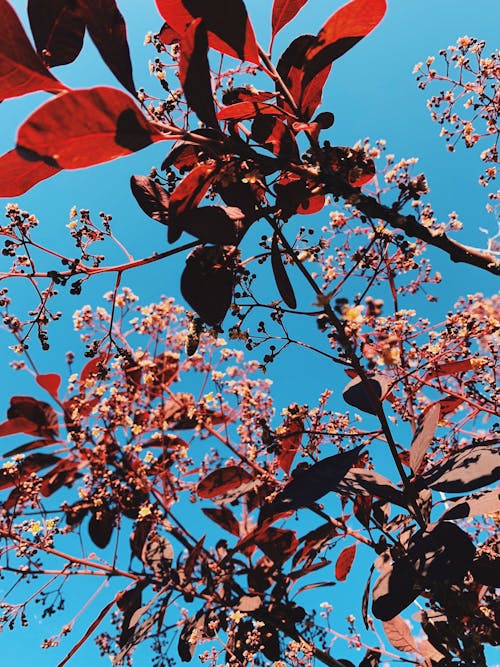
point(471, 468)
point(29, 465)
point(151, 197)
point(20, 170)
point(293, 195)
point(280, 275)
point(344, 562)
point(194, 72)
point(50, 382)
point(168, 35)
point(21, 70)
point(424, 436)
point(101, 526)
point(224, 518)
point(289, 443)
point(277, 543)
point(352, 164)
point(227, 23)
point(39, 413)
point(108, 32)
point(222, 481)
point(273, 134)
point(165, 370)
point(193, 557)
point(64, 473)
point(27, 447)
point(214, 224)
point(399, 634)
point(207, 282)
point(371, 659)
point(310, 485)
point(245, 94)
point(58, 28)
point(355, 393)
point(283, 12)
point(290, 68)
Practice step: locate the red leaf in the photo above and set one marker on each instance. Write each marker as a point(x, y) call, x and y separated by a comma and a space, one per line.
point(18, 425)
point(214, 224)
point(110, 125)
point(450, 368)
point(277, 543)
point(399, 634)
point(227, 23)
point(247, 110)
point(63, 473)
point(21, 70)
point(344, 562)
point(224, 518)
point(165, 372)
point(20, 170)
point(191, 560)
point(354, 165)
point(272, 133)
point(101, 527)
point(283, 12)
point(290, 441)
point(168, 35)
point(32, 463)
point(50, 382)
point(194, 72)
point(188, 194)
point(222, 481)
point(280, 275)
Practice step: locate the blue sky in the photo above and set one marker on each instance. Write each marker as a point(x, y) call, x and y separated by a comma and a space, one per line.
point(373, 94)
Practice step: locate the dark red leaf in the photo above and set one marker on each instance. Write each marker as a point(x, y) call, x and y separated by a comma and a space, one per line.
point(194, 72)
point(214, 224)
point(294, 195)
point(273, 134)
point(471, 468)
point(188, 638)
point(283, 12)
point(188, 194)
point(101, 526)
point(424, 436)
point(371, 659)
point(226, 21)
point(27, 447)
point(311, 484)
point(18, 425)
point(20, 170)
point(193, 557)
point(151, 197)
point(247, 110)
point(58, 28)
point(344, 562)
point(280, 275)
point(222, 481)
point(29, 465)
point(64, 473)
point(110, 125)
point(290, 67)
point(362, 508)
point(41, 414)
point(224, 518)
point(207, 282)
point(21, 70)
point(50, 382)
point(277, 543)
point(449, 368)
point(165, 372)
point(245, 94)
point(289, 441)
point(356, 394)
point(399, 634)
point(108, 31)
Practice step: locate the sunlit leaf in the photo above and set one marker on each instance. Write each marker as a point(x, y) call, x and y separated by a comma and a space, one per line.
point(471, 468)
point(50, 382)
point(424, 436)
point(223, 480)
point(399, 634)
point(283, 12)
point(345, 562)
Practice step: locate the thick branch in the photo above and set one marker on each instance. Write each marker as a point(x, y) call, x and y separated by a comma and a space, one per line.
point(370, 207)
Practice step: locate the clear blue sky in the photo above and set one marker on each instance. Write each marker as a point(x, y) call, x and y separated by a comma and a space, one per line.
point(372, 92)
